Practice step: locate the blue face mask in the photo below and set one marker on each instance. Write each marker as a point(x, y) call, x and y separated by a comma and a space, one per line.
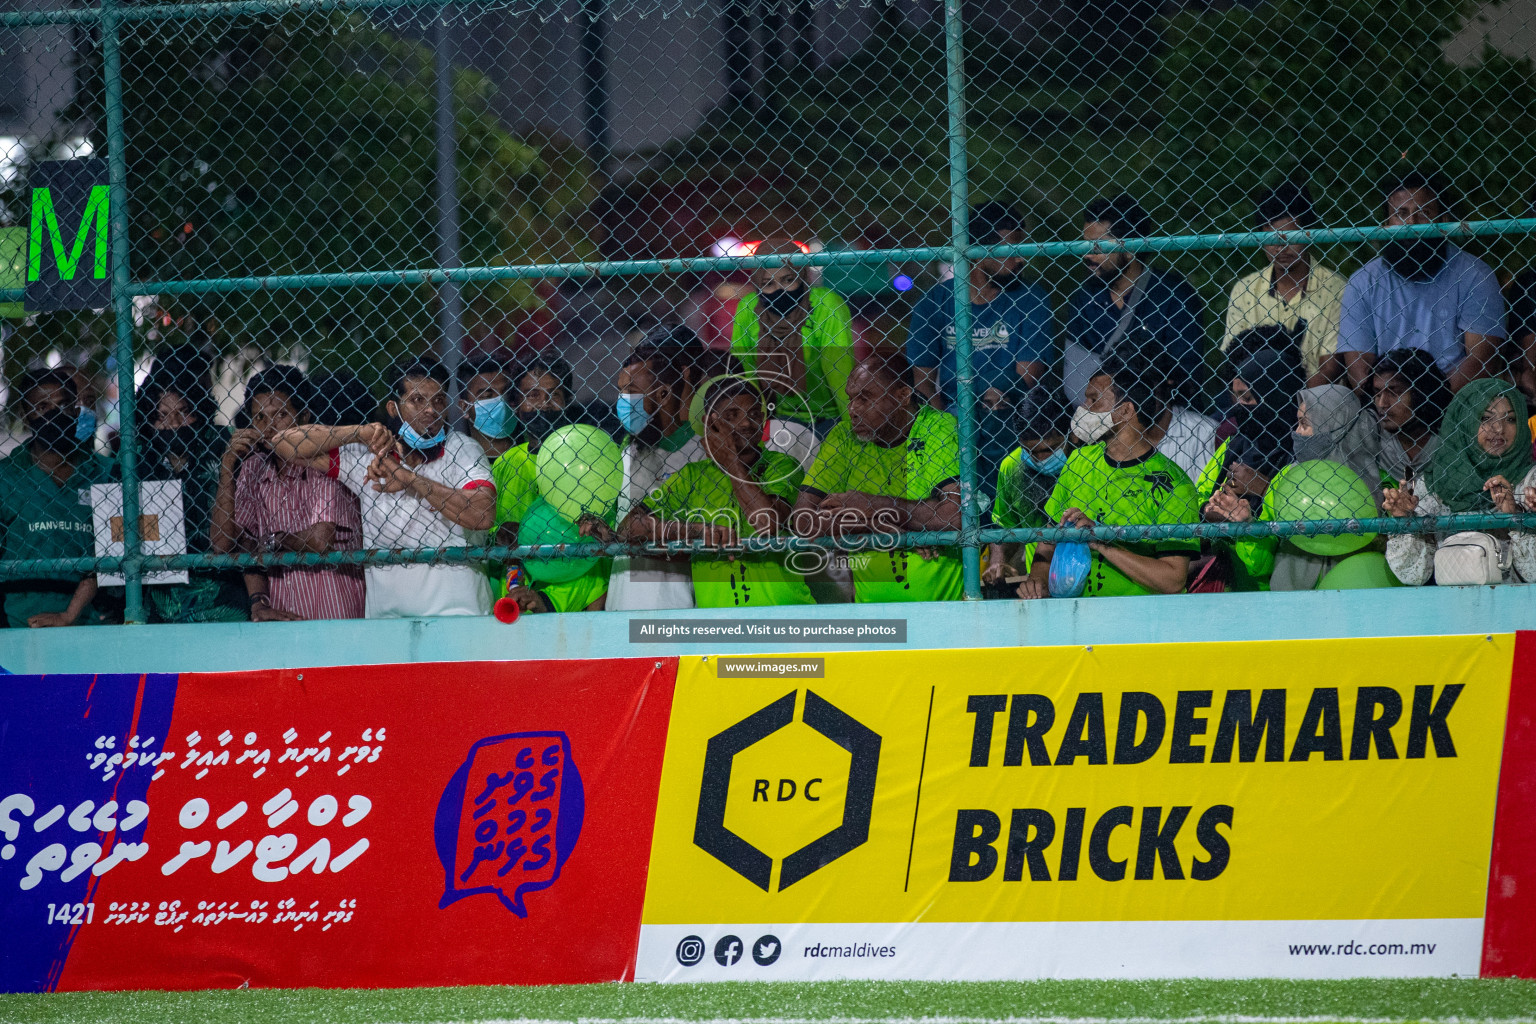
point(85, 425)
point(494, 417)
point(632, 414)
point(414, 440)
point(1051, 465)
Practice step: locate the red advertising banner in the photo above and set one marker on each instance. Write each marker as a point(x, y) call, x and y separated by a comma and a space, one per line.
point(443, 824)
point(1509, 929)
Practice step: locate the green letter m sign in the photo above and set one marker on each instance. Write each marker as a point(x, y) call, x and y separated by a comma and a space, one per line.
point(69, 215)
point(45, 221)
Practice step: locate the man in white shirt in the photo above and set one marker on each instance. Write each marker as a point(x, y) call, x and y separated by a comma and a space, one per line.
point(1187, 437)
point(656, 386)
point(419, 485)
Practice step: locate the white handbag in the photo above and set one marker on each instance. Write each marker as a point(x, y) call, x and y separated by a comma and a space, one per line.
point(1471, 560)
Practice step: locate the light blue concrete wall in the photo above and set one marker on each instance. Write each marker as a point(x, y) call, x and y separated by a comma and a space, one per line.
point(1190, 617)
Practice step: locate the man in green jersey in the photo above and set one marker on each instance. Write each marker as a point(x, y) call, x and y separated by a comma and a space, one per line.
point(741, 490)
point(540, 395)
point(1121, 480)
point(45, 505)
point(891, 467)
point(797, 340)
point(1026, 479)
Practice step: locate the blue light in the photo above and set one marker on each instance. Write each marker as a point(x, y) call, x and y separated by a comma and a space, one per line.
point(902, 283)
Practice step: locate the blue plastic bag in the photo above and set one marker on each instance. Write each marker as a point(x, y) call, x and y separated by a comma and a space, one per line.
point(1069, 569)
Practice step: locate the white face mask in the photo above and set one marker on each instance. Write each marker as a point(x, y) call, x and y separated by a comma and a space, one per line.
point(1089, 427)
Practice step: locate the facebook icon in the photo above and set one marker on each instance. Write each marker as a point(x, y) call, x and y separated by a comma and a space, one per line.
point(728, 950)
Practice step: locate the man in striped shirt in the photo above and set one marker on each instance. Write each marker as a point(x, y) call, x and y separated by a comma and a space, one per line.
point(273, 505)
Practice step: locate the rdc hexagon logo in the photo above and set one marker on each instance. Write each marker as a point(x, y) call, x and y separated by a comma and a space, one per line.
point(713, 835)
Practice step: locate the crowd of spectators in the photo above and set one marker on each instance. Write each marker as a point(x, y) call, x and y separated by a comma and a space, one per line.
point(1399, 391)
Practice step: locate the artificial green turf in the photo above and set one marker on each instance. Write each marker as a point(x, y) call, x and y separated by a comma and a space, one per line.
point(1467, 1000)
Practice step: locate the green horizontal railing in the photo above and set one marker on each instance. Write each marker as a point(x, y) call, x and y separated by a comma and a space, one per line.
point(849, 257)
point(865, 542)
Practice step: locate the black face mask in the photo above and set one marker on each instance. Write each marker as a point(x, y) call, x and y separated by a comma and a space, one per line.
point(160, 446)
point(54, 431)
point(540, 424)
point(1263, 437)
point(784, 301)
point(1417, 259)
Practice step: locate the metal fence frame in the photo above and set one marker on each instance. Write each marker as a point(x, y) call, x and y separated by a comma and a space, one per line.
point(133, 564)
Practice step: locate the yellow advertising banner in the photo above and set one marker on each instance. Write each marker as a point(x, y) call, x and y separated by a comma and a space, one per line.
point(1345, 780)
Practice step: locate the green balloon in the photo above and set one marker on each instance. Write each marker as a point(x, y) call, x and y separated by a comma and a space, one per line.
point(580, 470)
point(1359, 572)
point(1321, 489)
point(543, 524)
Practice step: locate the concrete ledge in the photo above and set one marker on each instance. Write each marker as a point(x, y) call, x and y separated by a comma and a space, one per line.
point(1406, 611)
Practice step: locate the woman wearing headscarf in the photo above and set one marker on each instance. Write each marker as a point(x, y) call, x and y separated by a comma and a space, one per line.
point(183, 442)
point(1264, 390)
point(1332, 424)
point(1231, 487)
point(1483, 464)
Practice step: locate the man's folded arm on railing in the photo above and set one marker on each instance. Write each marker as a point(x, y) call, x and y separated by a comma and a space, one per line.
point(85, 593)
point(391, 471)
point(857, 512)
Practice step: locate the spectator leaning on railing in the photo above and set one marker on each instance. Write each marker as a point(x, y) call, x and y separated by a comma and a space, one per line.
point(1482, 464)
point(1423, 293)
point(420, 486)
point(741, 490)
point(41, 511)
point(488, 417)
point(184, 443)
point(1335, 435)
point(1411, 397)
point(656, 386)
point(1332, 423)
point(1121, 480)
point(1027, 477)
point(541, 396)
point(893, 467)
point(266, 504)
point(1232, 485)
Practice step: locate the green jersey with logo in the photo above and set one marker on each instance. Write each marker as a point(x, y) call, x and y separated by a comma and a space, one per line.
point(701, 492)
point(1149, 490)
point(827, 344)
point(912, 471)
point(1021, 496)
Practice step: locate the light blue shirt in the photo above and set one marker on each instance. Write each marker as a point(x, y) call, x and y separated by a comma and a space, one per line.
point(1384, 310)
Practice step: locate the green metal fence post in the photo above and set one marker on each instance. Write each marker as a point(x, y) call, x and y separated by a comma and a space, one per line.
point(960, 215)
point(122, 312)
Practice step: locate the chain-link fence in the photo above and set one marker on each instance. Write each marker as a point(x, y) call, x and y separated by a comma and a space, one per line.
point(639, 304)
